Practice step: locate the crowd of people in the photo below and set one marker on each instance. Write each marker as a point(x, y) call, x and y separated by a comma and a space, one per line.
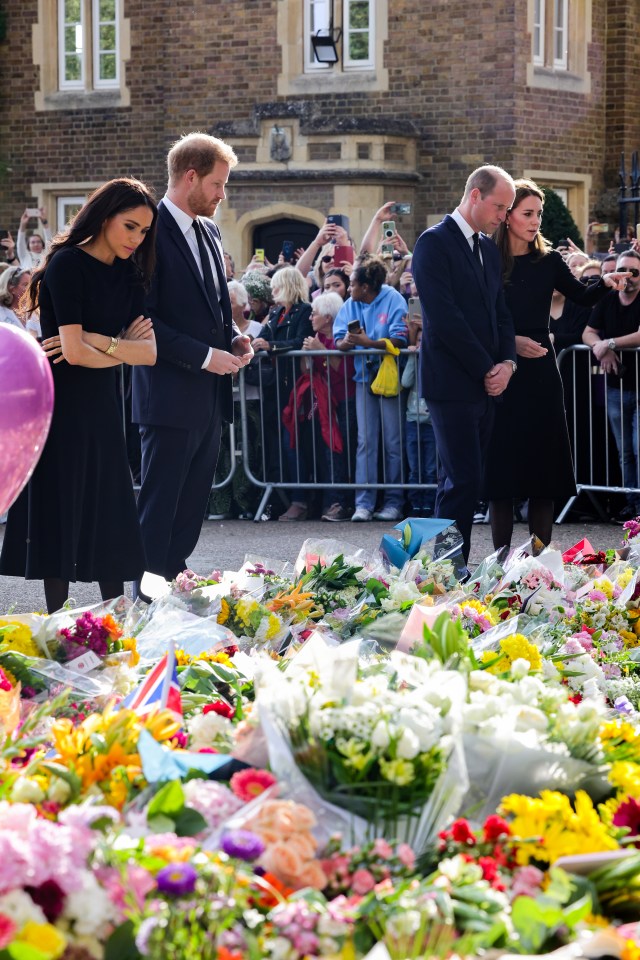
point(428, 376)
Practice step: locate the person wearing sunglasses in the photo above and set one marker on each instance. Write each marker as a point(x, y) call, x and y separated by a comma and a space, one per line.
point(529, 455)
point(613, 325)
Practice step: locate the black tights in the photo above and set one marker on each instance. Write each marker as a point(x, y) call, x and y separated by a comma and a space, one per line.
point(540, 520)
point(56, 591)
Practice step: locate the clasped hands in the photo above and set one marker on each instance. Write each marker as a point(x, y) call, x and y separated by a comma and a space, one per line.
point(223, 361)
point(497, 379)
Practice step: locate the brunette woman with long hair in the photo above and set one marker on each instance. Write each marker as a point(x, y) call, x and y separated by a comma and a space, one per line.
point(529, 455)
point(76, 519)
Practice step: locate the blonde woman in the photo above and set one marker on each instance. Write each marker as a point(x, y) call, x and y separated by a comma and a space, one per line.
point(13, 283)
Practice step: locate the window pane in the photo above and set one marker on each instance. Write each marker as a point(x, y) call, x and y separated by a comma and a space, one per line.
point(359, 15)
point(359, 46)
point(107, 10)
point(72, 40)
point(73, 68)
point(107, 37)
point(107, 66)
point(320, 15)
point(72, 11)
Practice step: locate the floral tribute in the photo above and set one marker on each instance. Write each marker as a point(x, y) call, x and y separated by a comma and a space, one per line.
point(339, 781)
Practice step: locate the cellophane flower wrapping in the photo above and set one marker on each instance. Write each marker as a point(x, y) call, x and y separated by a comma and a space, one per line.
point(371, 746)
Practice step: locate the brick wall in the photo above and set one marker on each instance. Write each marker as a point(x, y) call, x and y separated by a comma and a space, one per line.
point(457, 73)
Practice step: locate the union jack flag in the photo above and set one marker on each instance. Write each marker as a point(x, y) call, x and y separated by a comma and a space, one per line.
point(159, 689)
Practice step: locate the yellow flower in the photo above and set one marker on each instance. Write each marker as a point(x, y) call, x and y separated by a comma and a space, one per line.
point(630, 637)
point(244, 608)
point(606, 586)
point(625, 578)
point(43, 937)
point(630, 951)
point(516, 647)
point(553, 828)
point(225, 611)
point(274, 626)
point(18, 638)
point(625, 776)
point(400, 772)
point(357, 755)
point(129, 643)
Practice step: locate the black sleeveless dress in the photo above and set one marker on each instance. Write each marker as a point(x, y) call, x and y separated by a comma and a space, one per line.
point(76, 519)
point(529, 453)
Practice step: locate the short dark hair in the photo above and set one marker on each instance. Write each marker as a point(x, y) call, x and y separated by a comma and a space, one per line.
point(114, 197)
point(628, 253)
point(371, 270)
point(609, 257)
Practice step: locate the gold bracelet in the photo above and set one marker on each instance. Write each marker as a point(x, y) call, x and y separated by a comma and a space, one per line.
point(113, 346)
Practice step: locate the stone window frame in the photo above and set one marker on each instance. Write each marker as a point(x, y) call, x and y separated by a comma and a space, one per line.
point(88, 94)
point(578, 187)
point(341, 12)
point(294, 79)
point(48, 195)
point(569, 72)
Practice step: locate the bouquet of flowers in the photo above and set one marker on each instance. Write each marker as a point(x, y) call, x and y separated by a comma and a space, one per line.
point(249, 619)
point(373, 738)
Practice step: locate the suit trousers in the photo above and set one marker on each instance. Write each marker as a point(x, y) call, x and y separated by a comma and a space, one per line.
point(462, 430)
point(178, 465)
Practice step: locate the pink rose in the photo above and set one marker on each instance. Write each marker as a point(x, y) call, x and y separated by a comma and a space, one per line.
point(383, 849)
point(362, 882)
point(406, 855)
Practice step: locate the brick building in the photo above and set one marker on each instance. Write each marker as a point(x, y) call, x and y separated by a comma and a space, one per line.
point(423, 91)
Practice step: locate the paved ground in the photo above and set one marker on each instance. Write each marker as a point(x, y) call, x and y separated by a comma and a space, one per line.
point(223, 545)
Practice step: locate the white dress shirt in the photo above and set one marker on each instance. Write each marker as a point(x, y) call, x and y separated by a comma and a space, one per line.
point(467, 230)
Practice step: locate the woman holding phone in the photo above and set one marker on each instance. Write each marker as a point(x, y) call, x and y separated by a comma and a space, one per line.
point(76, 519)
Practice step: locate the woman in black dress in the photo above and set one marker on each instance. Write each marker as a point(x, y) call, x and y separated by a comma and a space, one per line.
point(529, 454)
point(76, 518)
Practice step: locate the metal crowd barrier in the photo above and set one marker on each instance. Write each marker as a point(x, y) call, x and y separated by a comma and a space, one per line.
point(313, 464)
point(594, 403)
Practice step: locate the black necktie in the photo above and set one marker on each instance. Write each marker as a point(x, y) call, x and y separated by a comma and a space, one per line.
point(476, 247)
point(209, 283)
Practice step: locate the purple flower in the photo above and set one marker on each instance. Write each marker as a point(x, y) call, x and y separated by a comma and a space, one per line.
point(177, 879)
point(144, 934)
point(242, 844)
point(623, 705)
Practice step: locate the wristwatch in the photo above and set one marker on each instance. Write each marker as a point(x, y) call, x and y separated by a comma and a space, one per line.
point(611, 344)
point(514, 365)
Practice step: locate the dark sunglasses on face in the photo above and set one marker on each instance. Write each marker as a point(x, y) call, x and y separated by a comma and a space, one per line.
point(632, 270)
point(327, 259)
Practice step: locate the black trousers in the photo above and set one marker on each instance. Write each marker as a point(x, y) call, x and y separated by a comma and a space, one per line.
point(177, 472)
point(462, 430)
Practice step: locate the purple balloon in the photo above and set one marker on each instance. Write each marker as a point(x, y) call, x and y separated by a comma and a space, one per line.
point(26, 405)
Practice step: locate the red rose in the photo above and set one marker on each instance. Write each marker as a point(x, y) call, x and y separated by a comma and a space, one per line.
point(462, 832)
point(495, 827)
point(221, 708)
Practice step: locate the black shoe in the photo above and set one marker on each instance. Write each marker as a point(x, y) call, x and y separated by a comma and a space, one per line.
point(245, 515)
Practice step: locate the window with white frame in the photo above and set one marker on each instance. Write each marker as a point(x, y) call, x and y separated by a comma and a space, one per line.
point(355, 19)
point(550, 34)
point(538, 32)
point(66, 209)
point(560, 34)
point(88, 44)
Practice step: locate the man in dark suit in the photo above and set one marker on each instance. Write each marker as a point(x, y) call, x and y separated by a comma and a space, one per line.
point(180, 403)
point(468, 351)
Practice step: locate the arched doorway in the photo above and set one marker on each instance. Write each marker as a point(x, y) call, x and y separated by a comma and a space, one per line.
point(270, 236)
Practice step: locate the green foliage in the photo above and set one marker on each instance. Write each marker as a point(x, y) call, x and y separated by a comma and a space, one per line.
point(557, 222)
point(168, 812)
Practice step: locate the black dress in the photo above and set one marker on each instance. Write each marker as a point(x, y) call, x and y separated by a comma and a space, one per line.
point(529, 453)
point(76, 519)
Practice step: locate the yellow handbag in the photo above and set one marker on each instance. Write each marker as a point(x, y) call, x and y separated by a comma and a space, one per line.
point(387, 382)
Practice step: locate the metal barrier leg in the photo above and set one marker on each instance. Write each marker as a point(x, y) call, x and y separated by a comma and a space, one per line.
point(261, 506)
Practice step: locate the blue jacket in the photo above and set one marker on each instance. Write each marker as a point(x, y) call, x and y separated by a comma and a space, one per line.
point(384, 317)
point(467, 326)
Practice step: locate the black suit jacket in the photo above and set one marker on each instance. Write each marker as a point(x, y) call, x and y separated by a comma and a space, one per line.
point(176, 390)
point(467, 326)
